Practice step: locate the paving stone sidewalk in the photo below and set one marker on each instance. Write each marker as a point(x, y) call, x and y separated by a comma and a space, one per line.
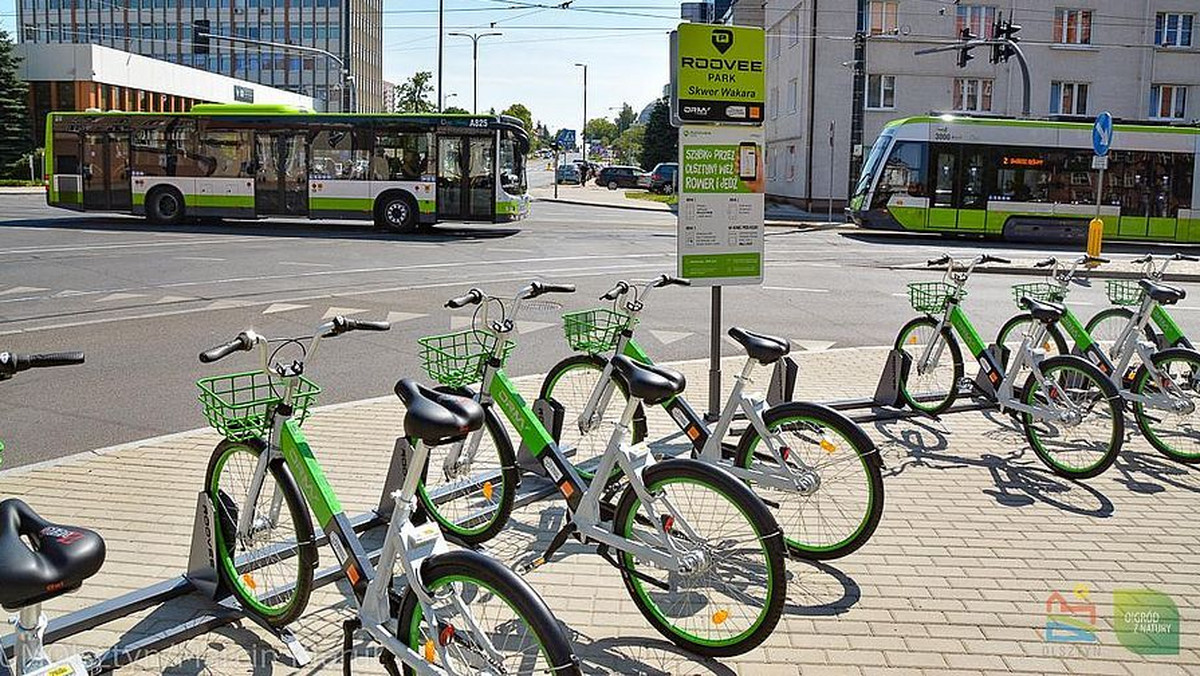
point(976, 540)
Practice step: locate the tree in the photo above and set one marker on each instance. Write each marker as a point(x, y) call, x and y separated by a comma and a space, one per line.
point(522, 113)
point(16, 140)
point(628, 146)
point(600, 129)
point(625, 118)
point(661, 140)
point(412, 96)
point(455, 110)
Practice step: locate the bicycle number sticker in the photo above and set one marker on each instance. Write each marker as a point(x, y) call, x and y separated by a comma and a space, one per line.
point(553, 470)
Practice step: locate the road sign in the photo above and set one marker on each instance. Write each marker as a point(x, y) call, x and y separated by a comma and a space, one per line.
point(565, 138)
point(720, 73)
point(1100, 162)
point(720, 236)
point(1102, 134)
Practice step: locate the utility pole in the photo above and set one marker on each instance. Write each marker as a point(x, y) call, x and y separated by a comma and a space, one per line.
point(859, 97)
point(474, 63)
point(583, 129)
point(441, 47)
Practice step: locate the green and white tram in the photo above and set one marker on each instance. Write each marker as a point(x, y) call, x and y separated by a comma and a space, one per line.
point(255, 161)
point(1030, 179)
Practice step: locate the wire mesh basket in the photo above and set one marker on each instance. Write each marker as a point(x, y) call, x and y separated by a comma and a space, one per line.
point(239, 405)
point(1124, 292)
point(457, 359)
point(1043, 291)
point(932, 297)
point(596, 330)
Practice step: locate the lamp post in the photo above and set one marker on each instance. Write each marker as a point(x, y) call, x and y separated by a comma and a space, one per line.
point(440, 47)
point(475, 64)
point(583, 129)
point(443, 102)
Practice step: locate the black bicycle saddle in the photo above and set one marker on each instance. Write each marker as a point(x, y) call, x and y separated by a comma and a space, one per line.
point(40, 560)
point(436, 417)
point(652, 384)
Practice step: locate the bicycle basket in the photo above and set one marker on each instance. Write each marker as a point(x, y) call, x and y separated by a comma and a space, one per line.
point(932, 297)
point(239, 405)
point(596, 330)
point(457, 359)
point(1124, 292)
point(1043, 291)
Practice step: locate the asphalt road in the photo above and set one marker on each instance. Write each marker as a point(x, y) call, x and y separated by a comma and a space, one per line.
point(144, 301)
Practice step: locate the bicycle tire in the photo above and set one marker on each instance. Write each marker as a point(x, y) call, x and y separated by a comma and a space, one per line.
point(903, 343)
point(1146, 421)
point(1054, 338)
point(554, 388)
point(502, 467)
point(1107, 390)
point(462, 567)
point(244, 585)
point(1107, 324)
point(697, 476)
point(795, 533)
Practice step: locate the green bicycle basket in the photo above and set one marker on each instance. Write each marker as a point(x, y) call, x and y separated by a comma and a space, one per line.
point(239, 405)
point(457, 359)
point(932, 297)
point(1124, 292)
point(1043, 291)
point(596, 330)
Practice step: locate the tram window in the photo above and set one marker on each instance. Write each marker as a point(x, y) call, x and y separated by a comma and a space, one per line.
point(904, 172)
point(975, 183)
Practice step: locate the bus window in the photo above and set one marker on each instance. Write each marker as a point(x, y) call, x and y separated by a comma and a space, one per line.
point(512, 165)
point(225, 154)
point(401, 156)
point(167, 149)
point(66, 152)
point(340, 154)
point(903, 173)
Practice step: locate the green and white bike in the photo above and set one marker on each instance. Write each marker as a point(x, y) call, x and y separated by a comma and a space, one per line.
point(817, 471)
point(457, 611)
point(701, 556)
point(1162, 387)
point(1069, 410)
point(1126, 295)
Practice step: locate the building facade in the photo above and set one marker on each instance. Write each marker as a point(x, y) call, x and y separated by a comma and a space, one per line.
point(352, 30)
point(1136, 60)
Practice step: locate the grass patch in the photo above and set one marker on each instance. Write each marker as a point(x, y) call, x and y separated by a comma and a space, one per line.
point(648, 196)
point(18, 183)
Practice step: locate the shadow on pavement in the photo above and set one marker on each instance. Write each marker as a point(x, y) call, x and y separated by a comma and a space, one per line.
point(1018, 483)
point(641, 657)
point(1147, 473)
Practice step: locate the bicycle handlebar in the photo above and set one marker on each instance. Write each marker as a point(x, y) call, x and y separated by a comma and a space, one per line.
point(1143, 260)
point(540, 288)
point(619, 289)
point(244, 342)
point(933, 263)
point(472, 297)
point(343, 325)
point(988, 258)
point(1186, 257)
point(11, 363)
point(1046, 263)
point(667, 280)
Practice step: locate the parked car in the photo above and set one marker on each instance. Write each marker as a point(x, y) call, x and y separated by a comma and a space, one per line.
point(619, 177)
point(587, 169)
point(568, 173)
point(664, 178)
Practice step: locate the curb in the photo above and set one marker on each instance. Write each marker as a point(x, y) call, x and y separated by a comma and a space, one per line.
point(585, 203)
point(26, 190)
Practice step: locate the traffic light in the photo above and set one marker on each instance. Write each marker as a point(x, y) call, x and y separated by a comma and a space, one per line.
point(1005, 33)
point(964, 52)
point(200, 31)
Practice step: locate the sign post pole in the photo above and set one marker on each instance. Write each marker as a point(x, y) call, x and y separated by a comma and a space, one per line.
point(1102, 138)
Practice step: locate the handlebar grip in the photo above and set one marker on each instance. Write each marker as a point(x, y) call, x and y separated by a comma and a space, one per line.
point(938, 261)
point(55, 359)
point(367, 325)
point(619, 289)
point(1098, 259)
point(1144, 259)
point(1187, 257)
point(472, 297)
point(1046, 263)
point(240, 344)
point(667, 280)
point(988, 258)
point(540, 288)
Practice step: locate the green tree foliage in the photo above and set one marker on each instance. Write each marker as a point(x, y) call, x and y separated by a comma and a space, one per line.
point(625, 118)
point(413, 95)
point(519, 111)
point(455, 110)
point(628, 146)
point(602, 130)
point(16, 140)
point(661, 140)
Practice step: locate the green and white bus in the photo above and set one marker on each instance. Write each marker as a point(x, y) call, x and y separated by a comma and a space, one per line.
point(1030, 179)
point(256, 161)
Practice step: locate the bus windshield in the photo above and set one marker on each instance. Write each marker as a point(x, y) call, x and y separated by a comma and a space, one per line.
point(872, 163)
point(512, 163)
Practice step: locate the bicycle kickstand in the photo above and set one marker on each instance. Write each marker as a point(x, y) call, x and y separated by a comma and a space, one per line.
point(560, 539)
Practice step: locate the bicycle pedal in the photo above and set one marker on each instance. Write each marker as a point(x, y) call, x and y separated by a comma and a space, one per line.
point(560, 539)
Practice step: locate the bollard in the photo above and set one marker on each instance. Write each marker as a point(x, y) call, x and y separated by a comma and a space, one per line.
point(1095, 238)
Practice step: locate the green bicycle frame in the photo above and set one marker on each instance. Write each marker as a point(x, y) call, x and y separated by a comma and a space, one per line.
point(1172, 334)
point(966, 330)
point(1085, 344)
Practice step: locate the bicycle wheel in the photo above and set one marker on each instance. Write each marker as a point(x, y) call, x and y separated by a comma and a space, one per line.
point(1106, 327)
point(931, 389)
point(571, 383)
point(471, 498)
point(261, 570)
point(1174, 432)
point(509, 629)
point(729, 598)
point(1012, 334)
point(842, 512)
point(1090, 429)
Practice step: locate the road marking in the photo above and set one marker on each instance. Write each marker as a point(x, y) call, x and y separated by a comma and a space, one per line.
point(307, 265)
point(173, 299)
point(668, 337)
point(282, 307)
point(119, 296)
point(800, 289)
point(228, 304)
point(458, 322)
point(132, 245)
point(203, 259)
point(343, 311)
point(814, 345)
point(507, 250)
point(397, 317)
point(524, 326)
point(22, 289)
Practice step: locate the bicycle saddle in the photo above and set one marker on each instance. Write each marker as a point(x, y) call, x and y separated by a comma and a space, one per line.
point(1162, 293)
point(57, 559)
point(436, 417)
point(1046, 313)
point(766, 349)
point(652, 384)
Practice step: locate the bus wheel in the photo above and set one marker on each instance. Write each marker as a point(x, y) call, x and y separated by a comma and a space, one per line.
point(164, 206)
point(396, 212)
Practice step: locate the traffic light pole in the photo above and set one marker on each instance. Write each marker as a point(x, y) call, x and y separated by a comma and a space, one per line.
point(965, 46)
point(347, 79)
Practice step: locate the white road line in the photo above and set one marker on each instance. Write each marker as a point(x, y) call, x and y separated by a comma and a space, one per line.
point(799, 289)
point(307, 265)
point(335, 311)
point(133, 245)
point(282, 307)
point(22, 289)
point(119, 296)
point(206, 259)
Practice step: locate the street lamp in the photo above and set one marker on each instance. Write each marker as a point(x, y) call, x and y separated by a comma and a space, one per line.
point(583, 129)
point(475, 64)
point(442, 104)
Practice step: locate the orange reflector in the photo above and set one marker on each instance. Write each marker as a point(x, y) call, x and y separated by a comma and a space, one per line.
point(248, 580)
point(720, 616)
point(446, 634)
point(352, 574)
point(912, 340)
point(693, 433)
point(488, 490)
point(567, 489)
point(827, 446)
point(429, 653)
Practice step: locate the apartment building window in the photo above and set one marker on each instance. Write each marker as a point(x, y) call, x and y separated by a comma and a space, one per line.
point(979, 18)
point(1172, 29)
point(774, 40)
point(1068, 98)
point(881, 92)
point(1168, 102)
point(973, 95)
point(794, 28)
point(773, 103)
point(791, 163)
point(881, 17)
point(1073, 26)
point(793, 95)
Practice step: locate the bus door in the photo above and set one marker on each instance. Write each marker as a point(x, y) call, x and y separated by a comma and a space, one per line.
point(466, 180)
point(281, 176)
point(105, 168)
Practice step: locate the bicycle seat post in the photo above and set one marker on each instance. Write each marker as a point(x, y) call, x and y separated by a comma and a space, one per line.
point(29, 654)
